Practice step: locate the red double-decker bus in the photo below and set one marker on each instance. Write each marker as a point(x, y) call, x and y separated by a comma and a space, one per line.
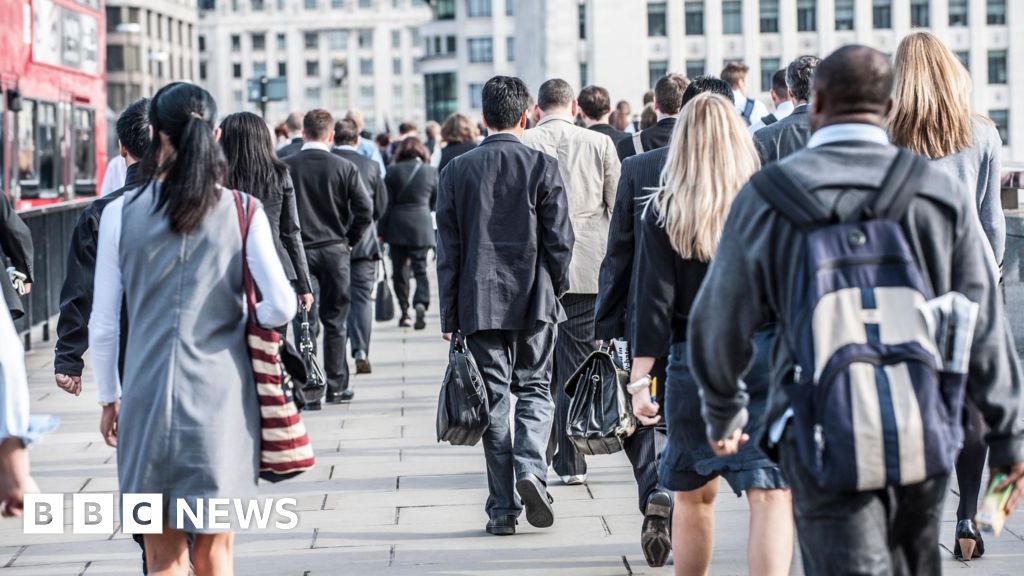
point(53, 119)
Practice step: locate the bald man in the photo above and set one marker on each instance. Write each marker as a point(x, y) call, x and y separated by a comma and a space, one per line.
point(760, 261)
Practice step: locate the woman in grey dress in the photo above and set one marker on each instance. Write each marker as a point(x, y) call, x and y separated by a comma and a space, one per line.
point(186, 419)
point(932, 117)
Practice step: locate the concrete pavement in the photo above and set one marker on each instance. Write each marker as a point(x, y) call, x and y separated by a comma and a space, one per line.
point(386, 498)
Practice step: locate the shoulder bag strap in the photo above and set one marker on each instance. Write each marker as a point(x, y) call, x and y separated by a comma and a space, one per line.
point(412, 176)
point(638, 144)
point(748, 109)
point(244, 209)
point(791, 199)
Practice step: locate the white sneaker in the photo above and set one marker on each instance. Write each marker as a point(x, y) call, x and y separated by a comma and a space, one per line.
point(574, 480)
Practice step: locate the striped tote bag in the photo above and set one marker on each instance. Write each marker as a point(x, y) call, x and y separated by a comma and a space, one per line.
point(285, 450)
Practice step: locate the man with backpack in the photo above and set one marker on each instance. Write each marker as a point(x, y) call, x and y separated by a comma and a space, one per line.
point(875, 264)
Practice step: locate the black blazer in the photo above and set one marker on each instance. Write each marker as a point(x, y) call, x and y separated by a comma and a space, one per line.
point(282, 212)
point(368, 247)
point(413, 197)
point(787, 136)
point(334, 204)
point(76, 295)
point(504, 238)
point(290, 148)
point(657, 136)
point(617, 280)
point(453, 151)
point(16, 245)
point(609, 131)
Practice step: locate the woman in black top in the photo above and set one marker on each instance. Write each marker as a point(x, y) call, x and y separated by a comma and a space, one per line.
point(459, 135)
point(710, 158)
point(253, 167)
point(407, 226)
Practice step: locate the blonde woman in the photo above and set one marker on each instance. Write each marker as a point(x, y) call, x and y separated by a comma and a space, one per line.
point(710, 158)
point(932, 116)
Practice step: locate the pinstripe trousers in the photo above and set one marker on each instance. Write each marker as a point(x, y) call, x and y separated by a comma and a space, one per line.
point(574, 343)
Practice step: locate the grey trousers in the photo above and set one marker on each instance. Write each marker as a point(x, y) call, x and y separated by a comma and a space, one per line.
point(515, 362)
point(360, 315)
point(891, 532)
point(574, 343)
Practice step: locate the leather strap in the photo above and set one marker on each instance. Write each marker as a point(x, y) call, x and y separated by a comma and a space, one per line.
point(244, 209)
point(638, 144)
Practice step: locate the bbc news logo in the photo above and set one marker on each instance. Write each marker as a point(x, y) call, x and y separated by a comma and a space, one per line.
point(95, 513)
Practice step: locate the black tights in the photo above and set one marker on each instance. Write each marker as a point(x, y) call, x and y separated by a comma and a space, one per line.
point(970, 465)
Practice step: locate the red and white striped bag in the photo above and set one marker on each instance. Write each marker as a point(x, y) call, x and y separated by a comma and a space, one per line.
point(285, 450)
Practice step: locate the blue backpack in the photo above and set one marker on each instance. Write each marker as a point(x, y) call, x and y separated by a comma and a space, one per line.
point(871, 404)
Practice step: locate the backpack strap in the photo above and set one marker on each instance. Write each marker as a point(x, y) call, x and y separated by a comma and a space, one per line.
point(791, 199)
point(638, 144)
point(748, 110)
point(898, 188)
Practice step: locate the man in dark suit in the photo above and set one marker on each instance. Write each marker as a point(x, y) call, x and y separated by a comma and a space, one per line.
point(668, 100)
point(893, 529)
point(596, 106)
point(294, 126)
point(789, 135)
point(503, 253)
point(367, 252)
point(334, 210)
point(614, 317)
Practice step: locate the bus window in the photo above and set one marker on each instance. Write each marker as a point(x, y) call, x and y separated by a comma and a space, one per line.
point(85, 147)
point(27, 172)
point(46, 144)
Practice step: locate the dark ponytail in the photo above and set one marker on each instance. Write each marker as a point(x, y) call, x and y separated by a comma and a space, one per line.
point(184, 115)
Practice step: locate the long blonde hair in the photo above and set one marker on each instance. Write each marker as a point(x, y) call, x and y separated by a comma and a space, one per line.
point(932, 111)
point(710, 158)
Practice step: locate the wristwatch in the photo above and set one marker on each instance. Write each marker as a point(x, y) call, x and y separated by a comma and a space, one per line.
point(634, 387)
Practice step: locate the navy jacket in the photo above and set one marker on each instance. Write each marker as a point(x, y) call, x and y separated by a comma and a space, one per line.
point(504, 238)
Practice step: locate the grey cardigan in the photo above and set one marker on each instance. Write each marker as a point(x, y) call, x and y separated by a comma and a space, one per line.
point(978, 168)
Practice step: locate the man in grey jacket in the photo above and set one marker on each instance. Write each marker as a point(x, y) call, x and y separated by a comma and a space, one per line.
point(789, 135)
point(589, 166)
point(893, 530)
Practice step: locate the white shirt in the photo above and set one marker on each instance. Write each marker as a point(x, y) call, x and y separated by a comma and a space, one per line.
point(846, 133)
point(740, 100)
point(13, 381)
point(783, 110)
point(114, 176)
point(316, 146)
point(276, 309)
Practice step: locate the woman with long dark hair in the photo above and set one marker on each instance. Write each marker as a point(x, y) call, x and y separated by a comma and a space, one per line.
point(253, 168)
point(186, 421)
point(407, 226)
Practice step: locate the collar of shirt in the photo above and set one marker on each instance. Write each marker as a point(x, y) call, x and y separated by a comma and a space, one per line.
point(500, 137)
point(347, 147)
point(554, 118)
point(316, 146)
point(847, 133)
point(784, 109)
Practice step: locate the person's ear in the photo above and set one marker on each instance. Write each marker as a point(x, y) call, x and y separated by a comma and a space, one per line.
point(217, 132)
point(121, 150)
point(888, 107)
point(575, 109)
point(523, 121)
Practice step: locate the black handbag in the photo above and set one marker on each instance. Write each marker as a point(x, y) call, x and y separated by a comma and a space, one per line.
point(600, 409)
point(385, 306)
point(314, 383)
point(462, 407)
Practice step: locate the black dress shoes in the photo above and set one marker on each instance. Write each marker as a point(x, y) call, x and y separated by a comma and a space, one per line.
point(342, 397)
point(536, 500)
point(502, 526)
point(655, 539)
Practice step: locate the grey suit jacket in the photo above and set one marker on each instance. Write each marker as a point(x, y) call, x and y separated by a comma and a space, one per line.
point(783, 138)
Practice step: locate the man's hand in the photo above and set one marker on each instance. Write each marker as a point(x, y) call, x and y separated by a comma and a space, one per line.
point(306, 301)
point(15, 480)
point(108, 423)
point(730, 445)
point(644, 409)
point(447, 336)
point(69, 384)
point(1014, 476)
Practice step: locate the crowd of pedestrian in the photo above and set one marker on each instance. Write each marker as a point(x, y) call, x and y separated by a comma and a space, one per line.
point(770, 281)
